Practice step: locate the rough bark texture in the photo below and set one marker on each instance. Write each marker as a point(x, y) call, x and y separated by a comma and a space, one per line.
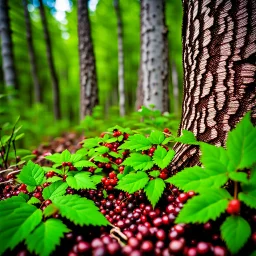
point(32, 56)
point(6, 45)
point(154, 64)
point(219, 53)
point(120, 59)
point(54, 77)
point(88, 79)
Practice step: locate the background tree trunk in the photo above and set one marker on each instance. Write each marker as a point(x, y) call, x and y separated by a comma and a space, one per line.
point(175, 86)
point(88, 79)
point(120, 59)
point(154, 64)
point(32, 56)
point(54, 78)
point(219, 53)
point(7, 47)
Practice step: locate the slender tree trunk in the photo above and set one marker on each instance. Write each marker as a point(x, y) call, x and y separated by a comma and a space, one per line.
point(32, 56)
point(175, 86)
point(88, 79)
point(7, 47)
point(54, 77)
point(120, 59)
point(154, 64)
point(219, 53)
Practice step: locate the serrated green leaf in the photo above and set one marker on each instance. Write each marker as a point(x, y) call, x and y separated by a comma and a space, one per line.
point(31, 188)
point(91, 143)
point(8, 205)
point(215, 158)
point(102, 149)
point(197, 178)
point(23, 195)
point(54, 190)
point(114, 154)
point(81, 180)
point(31, 174)
point(79, 210)
point(241, 144)
point(137, 142)
point(162, 158)
point(101, 159)
point(84, 163)
point(248, 198)
point(76, 157)
point(50, 210)
point(96, 179)
point(111, 140)
point(154, 174)
point(156, 137)
point(154, 189)
point(120, 138)
point(18, 225)
point(239, 177)
point(167, 140)
point(235, 231)
point(139, 161)
point(46, 237)
point(34, 200)
point(207, 206)
point(65, 156)
point(132, 182)
point(55, 158)
point(54, 179)
point(187, 137)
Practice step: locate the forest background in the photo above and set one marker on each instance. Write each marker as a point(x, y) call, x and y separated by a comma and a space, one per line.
point(38, 120)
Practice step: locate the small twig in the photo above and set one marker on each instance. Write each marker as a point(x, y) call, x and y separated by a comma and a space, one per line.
point(7, 181)
point(13, 172)
point(6, 170)
point(119, 234)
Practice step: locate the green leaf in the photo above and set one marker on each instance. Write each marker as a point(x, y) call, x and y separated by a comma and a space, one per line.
point(54, 179)
point(31, 188)
point(132, 182)
point(120, 138)
point(91, 143)
point(34, 200)
point(239, 177)
point(31, 174)
point(50, 210)
point(197, 178)
point(101, 159)
point(54, 190)
point(114, 154)
point(23, 195)
point(102, 149)
point(167, 140)
point(81, 180)
point(139, 161)
point(55, 158)
point(8, 205)
point(162, 158)
point(46, 237)
point(253, 253)
point(76, 157)
point(215, 158)
point(156, 137)
point(79, 210)
point(154, 189)
point(241, 144)
point(84, 163)
point(207, 206)
point(65, 156)
point(18, 225)
point(96, 179)
point(235, 231)
point(187, 137)
point(137, 142)
point(154, 174)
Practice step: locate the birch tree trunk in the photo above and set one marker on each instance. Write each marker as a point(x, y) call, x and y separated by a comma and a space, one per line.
point(54, 77)
point(7, 47)
point(120, 59)
point(32, 56)
point(219, 53)
point(88, 79)
point(154, 63)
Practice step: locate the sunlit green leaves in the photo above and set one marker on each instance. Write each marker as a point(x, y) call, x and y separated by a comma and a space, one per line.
point(163, 158)
point(81, 180)
point(139, 161)
point(55, 189)
point(136, 142)
point(235, 231)
point(187, 137)
point(156, 137)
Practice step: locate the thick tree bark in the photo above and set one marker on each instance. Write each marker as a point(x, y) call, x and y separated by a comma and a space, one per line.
point(219, 61)
point(32, 56)
point(54, 77)
point(120, 59)
point(7, 47)
point(88, 79)
point(154, 63)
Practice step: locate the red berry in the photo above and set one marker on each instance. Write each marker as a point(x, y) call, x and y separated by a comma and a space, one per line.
point(119, 160)
point(163, 175)
point(121, 168)
point(166, 130)
point(108, 165)
point(183, 197)
point(234, 206)
point(111, 175)
point(50, 174)
point(151, 150)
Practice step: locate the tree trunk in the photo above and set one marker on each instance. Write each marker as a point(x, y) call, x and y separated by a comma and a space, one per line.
point(54, 78)
point(154, 64)
point(7, 47)
point(120, 59)
point(88, 79)
point(32, 56)
point(219, 53)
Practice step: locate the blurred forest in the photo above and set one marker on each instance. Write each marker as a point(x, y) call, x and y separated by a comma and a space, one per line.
point(37, 119)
